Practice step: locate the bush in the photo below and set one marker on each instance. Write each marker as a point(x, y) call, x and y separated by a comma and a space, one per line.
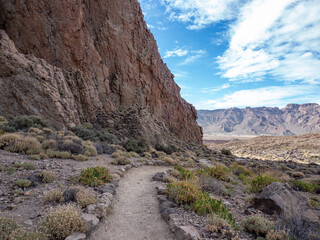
point(2, 119)
point(21, 234)
point(199, 201)
point(258, 225)
point(225, 151)
point(167, 149)
point(219, 225)
point(85, 198)
point(18, 144)
point(90, 151)
point(29, 166)
point(95, 176)
point(184, 173)
point(70, 146)
point(7, 226)
point(56, 154)
point(80, 158)
point(136, 146)
point(35, 157)
point(64, 221)
point(183, 192)
point(121, 161)
point(107, 149)
point(218, 172)
point(277, 235)
point(49, 144)
point(304, 186)
point(23, 123)
point(48, 177)
point(86, 132)
point(240, 170)
point(22, 183)
point(259, 182)
point(53, 196)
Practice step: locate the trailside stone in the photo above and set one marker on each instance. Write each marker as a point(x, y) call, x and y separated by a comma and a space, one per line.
point(76, 236)
point(187, 233)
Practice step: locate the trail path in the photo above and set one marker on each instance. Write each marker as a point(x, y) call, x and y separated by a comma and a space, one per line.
point(135, 215)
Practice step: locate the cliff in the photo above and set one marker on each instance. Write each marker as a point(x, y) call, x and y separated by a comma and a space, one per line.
point(294, 119)
point(90, 61)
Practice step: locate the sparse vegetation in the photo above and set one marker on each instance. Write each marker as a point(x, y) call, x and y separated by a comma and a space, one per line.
point(88, 132)
point(29, 166)
point(184, 174)
point(259, 182)
point(304, 186)
point(258, 225)
point(219, 172)
point(7, 226)
point(95, 176)
point(53, 196)
point(48, 176)
point(24, 123)
point(62, 221)
point(22, 183)
point(80, 158)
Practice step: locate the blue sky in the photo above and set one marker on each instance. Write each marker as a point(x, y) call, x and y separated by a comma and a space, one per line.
point(238, 53)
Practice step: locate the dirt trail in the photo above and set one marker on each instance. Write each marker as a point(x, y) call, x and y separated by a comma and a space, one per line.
point(136, 213)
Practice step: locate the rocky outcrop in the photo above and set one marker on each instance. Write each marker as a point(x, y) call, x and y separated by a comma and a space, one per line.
point(77, 61)
point(294, 119)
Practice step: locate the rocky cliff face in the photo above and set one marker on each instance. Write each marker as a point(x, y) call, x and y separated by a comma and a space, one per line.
point(79, 60)
point(292, 120)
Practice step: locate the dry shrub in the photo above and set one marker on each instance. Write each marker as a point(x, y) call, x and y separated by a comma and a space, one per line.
point(90, 151)
point(147, 155)
point(121, 161)
point(36, 131)
point(220, 225)
point(16, 143)
point(22, 234)
point(48, 177)
point(277, 235)
point(53, 196)
point(49, 144)
point(7, 226)
point(85, 197)
point(258, 225)
point(168, 160)
point(22, 183)
point(80, 158)
point(63, 221)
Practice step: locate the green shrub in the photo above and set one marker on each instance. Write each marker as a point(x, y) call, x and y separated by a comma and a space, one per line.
point(29, 166)
point(219, 172)
point(225, 151)
point(184, 173)
point(258, 225)
point(64, 221)
point(240, 170)
point(48, 177)
point(167, 149)
point(11, 170)
point(7, 226)
point(22, 183)
point(22, 234)
point(74, 148)
point(80, 158)
point(23, 123)
point(199, 201)
point(136, 146)
point(95, 176)
point(304, 186)
point(86, 132)
point(259, 182)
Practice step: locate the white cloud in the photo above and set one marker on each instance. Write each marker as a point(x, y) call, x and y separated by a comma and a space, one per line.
point(216, 89)
point(200, 13)
point(280, 38)
point(194, 55)
point(176, 53)
point(266, 96)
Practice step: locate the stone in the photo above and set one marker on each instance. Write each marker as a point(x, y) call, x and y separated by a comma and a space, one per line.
point(76, 236)
point(91, 219)
point(187, 233)
point(99, 209)
point(117, 80)
point(159, 177)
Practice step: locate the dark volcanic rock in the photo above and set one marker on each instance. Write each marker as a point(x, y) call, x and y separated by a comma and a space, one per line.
point(79, 61)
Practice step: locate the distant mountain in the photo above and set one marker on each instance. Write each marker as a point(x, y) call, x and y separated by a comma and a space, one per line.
point(294, 119)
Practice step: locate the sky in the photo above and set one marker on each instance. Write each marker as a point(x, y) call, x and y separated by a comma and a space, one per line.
point(239, 53)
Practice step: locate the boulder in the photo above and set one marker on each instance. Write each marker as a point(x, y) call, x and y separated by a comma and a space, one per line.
point(76, 236)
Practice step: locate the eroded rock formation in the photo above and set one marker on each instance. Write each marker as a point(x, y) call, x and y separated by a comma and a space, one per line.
point(77, 61)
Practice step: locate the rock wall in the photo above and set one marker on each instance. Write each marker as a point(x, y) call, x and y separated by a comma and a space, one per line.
point(80, 60)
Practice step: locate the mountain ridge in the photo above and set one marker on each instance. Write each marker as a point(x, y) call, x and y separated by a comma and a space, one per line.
point(293, 119)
